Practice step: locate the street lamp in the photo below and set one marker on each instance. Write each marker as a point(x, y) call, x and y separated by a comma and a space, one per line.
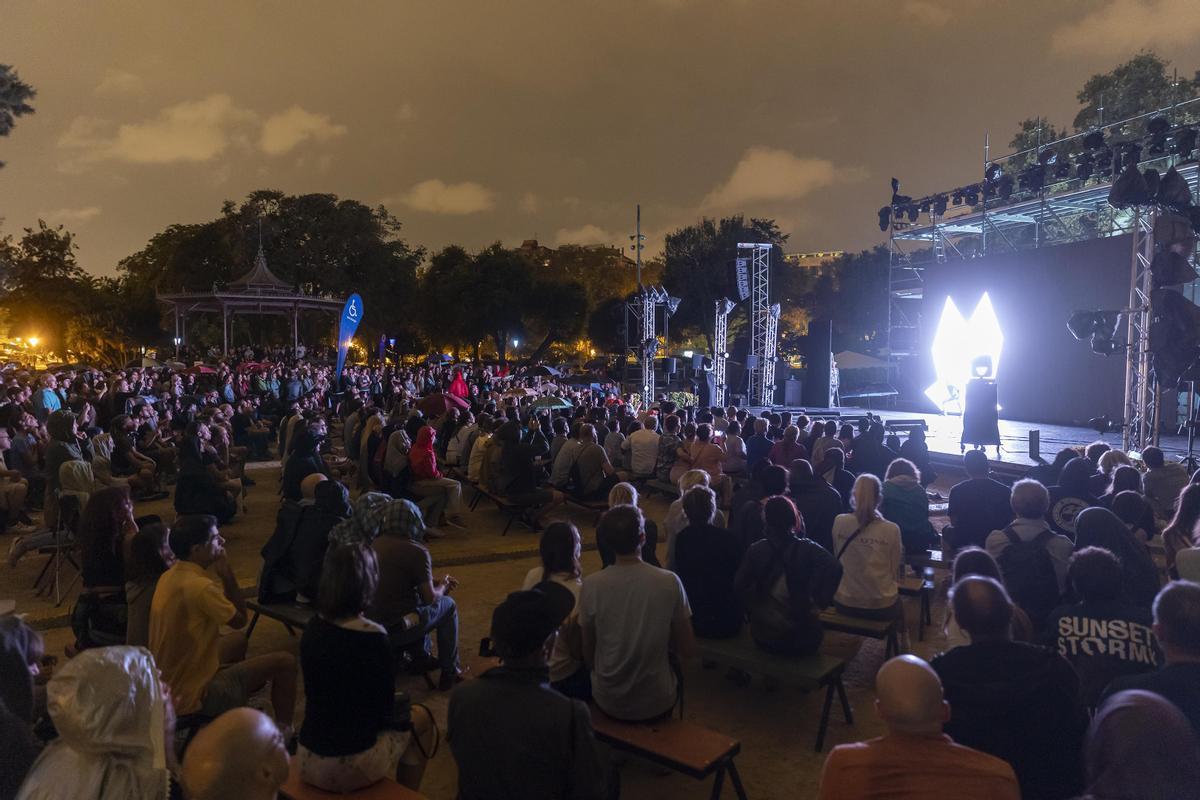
point(33, 341)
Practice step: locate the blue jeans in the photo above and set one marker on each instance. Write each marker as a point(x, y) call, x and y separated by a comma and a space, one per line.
point(439, 618)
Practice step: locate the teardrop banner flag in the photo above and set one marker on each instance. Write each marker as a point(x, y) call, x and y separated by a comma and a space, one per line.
point(351, 315)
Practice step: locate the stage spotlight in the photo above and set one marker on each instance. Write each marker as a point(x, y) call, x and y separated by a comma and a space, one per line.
point(1104, 339)
point(775, 310)
point(1062, 171)
point(957, 345)
point(1094, 140)
point(672, 305)
point(1174, 243)
point(726, 305)
point(1048, 158)
point(992, 172)
point(957, 198)
point(1085, 167)
point(1131, 155)
point(1183, 142)
point(939, 204)
point(913, 213)
point(925, 206)
point(1005, 187)
point(1173, 190)
point(1083, 324)
point(1102, 424)
point(1174, 334)
point(885, 217)
point(1129, 189)
point(1170, 268)
point(972, 195)
point(1032, 178)
point(1157, 129)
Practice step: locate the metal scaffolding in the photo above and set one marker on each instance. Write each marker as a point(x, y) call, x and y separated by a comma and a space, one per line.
point(649, 346)
point(1140, 429)
point(721, 348)
point(768, 370)
point(758, 389)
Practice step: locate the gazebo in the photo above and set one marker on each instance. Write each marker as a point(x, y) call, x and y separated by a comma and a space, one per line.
point(259, 291)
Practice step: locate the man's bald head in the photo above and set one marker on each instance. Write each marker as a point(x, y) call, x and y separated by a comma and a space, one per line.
point(908, 697)
point(982, 607)
point(240, 754)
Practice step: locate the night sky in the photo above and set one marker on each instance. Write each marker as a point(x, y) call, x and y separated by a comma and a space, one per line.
point(476, 120)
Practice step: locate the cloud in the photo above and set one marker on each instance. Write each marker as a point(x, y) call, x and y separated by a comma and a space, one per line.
point(438, 197)
point(119, 83)
point(767, 174)
point(927, 13)
point(191, 131)
point(406, 113)
point(529, 203)
point(283, 132)
point(70, 215)
point(1123, 26)
point(586, 234)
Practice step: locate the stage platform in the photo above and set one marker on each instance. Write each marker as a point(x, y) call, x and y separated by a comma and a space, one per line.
point(1013, 457)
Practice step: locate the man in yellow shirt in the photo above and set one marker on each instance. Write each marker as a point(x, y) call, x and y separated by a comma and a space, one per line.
point(209, 673)
point(915, 759)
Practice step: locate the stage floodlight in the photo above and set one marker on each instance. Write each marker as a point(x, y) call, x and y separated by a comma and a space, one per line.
point(1104, 338)
point(1174, 334)
point(885, 217)
point(1101, 424)
point(1170, 268)
point(1048, 158)
point(1094, 140)
point(1082, 324)
point(958, 343)
point(913, 213)
point(971, 195)
point(1032, 178)
point(726, 306)
point(1131, 155)
point(992, 172)
point(1005, 187)
point(1129, 189)
point(672, 305)
point(774, 310)
point(1183, 142)
point(1173, 190)
point(957, 198)
point(939, 204)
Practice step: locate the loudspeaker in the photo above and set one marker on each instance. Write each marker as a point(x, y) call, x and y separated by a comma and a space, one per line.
point(669, 366)
point(818, 349)
point(698, 361)
point(751, 361)
point(793, 392)
point(704, 391)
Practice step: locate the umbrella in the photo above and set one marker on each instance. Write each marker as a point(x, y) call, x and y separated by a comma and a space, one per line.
point(249, 365)
point(552, 403)
point(544, 371)
point(519, 391)
point(437, 404)
point(200, 369)
point(143, 362)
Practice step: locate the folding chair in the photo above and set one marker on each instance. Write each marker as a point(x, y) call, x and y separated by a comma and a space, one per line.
point(62, 550)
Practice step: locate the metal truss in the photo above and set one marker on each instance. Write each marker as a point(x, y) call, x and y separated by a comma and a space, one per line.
point(757, 387)
point(1141, 422)
point(768, 370)
point(649, 346)
point(721, 348)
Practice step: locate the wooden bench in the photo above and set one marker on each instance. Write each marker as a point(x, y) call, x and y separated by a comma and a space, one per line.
point(664, 487)
point(805, 672)
point(921, 587)
point(681, 746)
point(386, 789)
point(294, 616)
point(596, 507)
point(512, 510)
point(887, 629)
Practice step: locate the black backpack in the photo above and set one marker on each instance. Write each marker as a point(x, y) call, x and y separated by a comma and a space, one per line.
point(1029, 574)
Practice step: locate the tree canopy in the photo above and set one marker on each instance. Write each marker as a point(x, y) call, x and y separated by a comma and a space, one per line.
point(15, 95)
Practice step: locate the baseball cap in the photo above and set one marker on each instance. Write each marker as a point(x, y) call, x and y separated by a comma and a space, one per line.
point(523, 621)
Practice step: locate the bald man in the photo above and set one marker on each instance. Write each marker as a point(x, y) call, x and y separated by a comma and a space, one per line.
point(240, 754)
point(915, 759)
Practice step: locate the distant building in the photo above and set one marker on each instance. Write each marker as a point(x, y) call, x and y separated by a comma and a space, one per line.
point(543, 255)
point(813, 260)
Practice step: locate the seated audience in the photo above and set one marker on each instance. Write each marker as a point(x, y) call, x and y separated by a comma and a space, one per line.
point(978, 505)
point(640, 449)
point(1047, 473)
point(22, 701)
point(747, 520)
point(833, 470)
point(824, 437)
point(409, 602)
point(1035, 572)
point(1140, 746)
point(1099, 527)
point(115, 728)
point(914, 759)
point(427, 480)
point(512, 736)
point(295, 553)
point(513, 474)
point(976, 561)
point(239, 754)
point(870, 552)
point(560, 471)
point(560, 548)
point(354, 734)
point(817, 502)
point(209, 673)
point(706, 559)
point(1177, 630)
point(1016, 701)
point(916, 450)
point(758, 446)
point(906, 504)
point(632, 617)
point(735, 450)
point(1133, 510)
point(1163, 482)
point(204, 487)
point(1103, 636)
point(149, 557)
point(676, 520)
point(1070, 495)
point(1181, 533)
point(787, 449)
point(107, 526)
point(784, 581)
point(869, 455)
point(626, 494)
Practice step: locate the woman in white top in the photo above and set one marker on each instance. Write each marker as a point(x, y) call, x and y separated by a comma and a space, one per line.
point(735, 449)
point(560, 548)
point(868, 546)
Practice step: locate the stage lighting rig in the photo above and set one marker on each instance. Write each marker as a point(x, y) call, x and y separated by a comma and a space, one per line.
point(971, 194)
point(1005, 187)
point(939, 204)
point(1157, 129)
point(885, 218)
point(1094, 141)
point(1032, 178)
point(1129, 189)
point(1099, 327)
point(992, 172)
point(1183, 143)
point(957, 197)
point(1174, 192)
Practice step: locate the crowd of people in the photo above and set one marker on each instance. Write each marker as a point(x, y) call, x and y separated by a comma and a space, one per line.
point(1063, 646)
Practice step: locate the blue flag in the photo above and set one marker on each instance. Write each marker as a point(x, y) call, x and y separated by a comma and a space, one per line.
point(351, 316)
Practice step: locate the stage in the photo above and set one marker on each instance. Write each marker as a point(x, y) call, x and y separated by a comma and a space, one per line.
point(943, 432)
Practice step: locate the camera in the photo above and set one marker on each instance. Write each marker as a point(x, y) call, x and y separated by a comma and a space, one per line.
point(486, 648)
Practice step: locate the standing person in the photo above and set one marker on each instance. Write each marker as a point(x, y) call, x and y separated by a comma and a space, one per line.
point(632, 617)
point(560, 548)
point(706, 560)
point(914, 759)
point(428, 481)
point(1162, 482)
point(784, 581)
point(906, 504)
point(207, 672)
point(978, 505)
point(1019, 702)
point(871, 554)
point(354, 733)
point(512, 736)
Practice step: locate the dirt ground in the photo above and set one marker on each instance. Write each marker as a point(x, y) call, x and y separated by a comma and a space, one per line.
point(776, 728)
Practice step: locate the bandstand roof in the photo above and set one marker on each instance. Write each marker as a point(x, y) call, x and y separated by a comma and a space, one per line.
point(258, 291)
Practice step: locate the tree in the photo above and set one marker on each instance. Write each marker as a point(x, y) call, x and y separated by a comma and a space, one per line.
point(558, 308)
point(699, 263)
point(1033, 133)
point(1138, 86)
point(499, 294)
point(14, 99)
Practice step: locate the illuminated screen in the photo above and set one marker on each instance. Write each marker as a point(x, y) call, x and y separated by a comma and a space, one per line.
point(1014, 307)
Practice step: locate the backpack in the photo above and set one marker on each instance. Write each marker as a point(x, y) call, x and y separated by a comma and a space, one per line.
point(1029, 574)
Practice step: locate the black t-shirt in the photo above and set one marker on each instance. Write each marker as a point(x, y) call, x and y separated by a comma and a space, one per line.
point(706, 560)
point(1179, 683)
point(978, 506)
point(1103, 642)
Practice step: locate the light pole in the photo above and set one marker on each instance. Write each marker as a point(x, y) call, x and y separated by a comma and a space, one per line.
point(637, 245)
